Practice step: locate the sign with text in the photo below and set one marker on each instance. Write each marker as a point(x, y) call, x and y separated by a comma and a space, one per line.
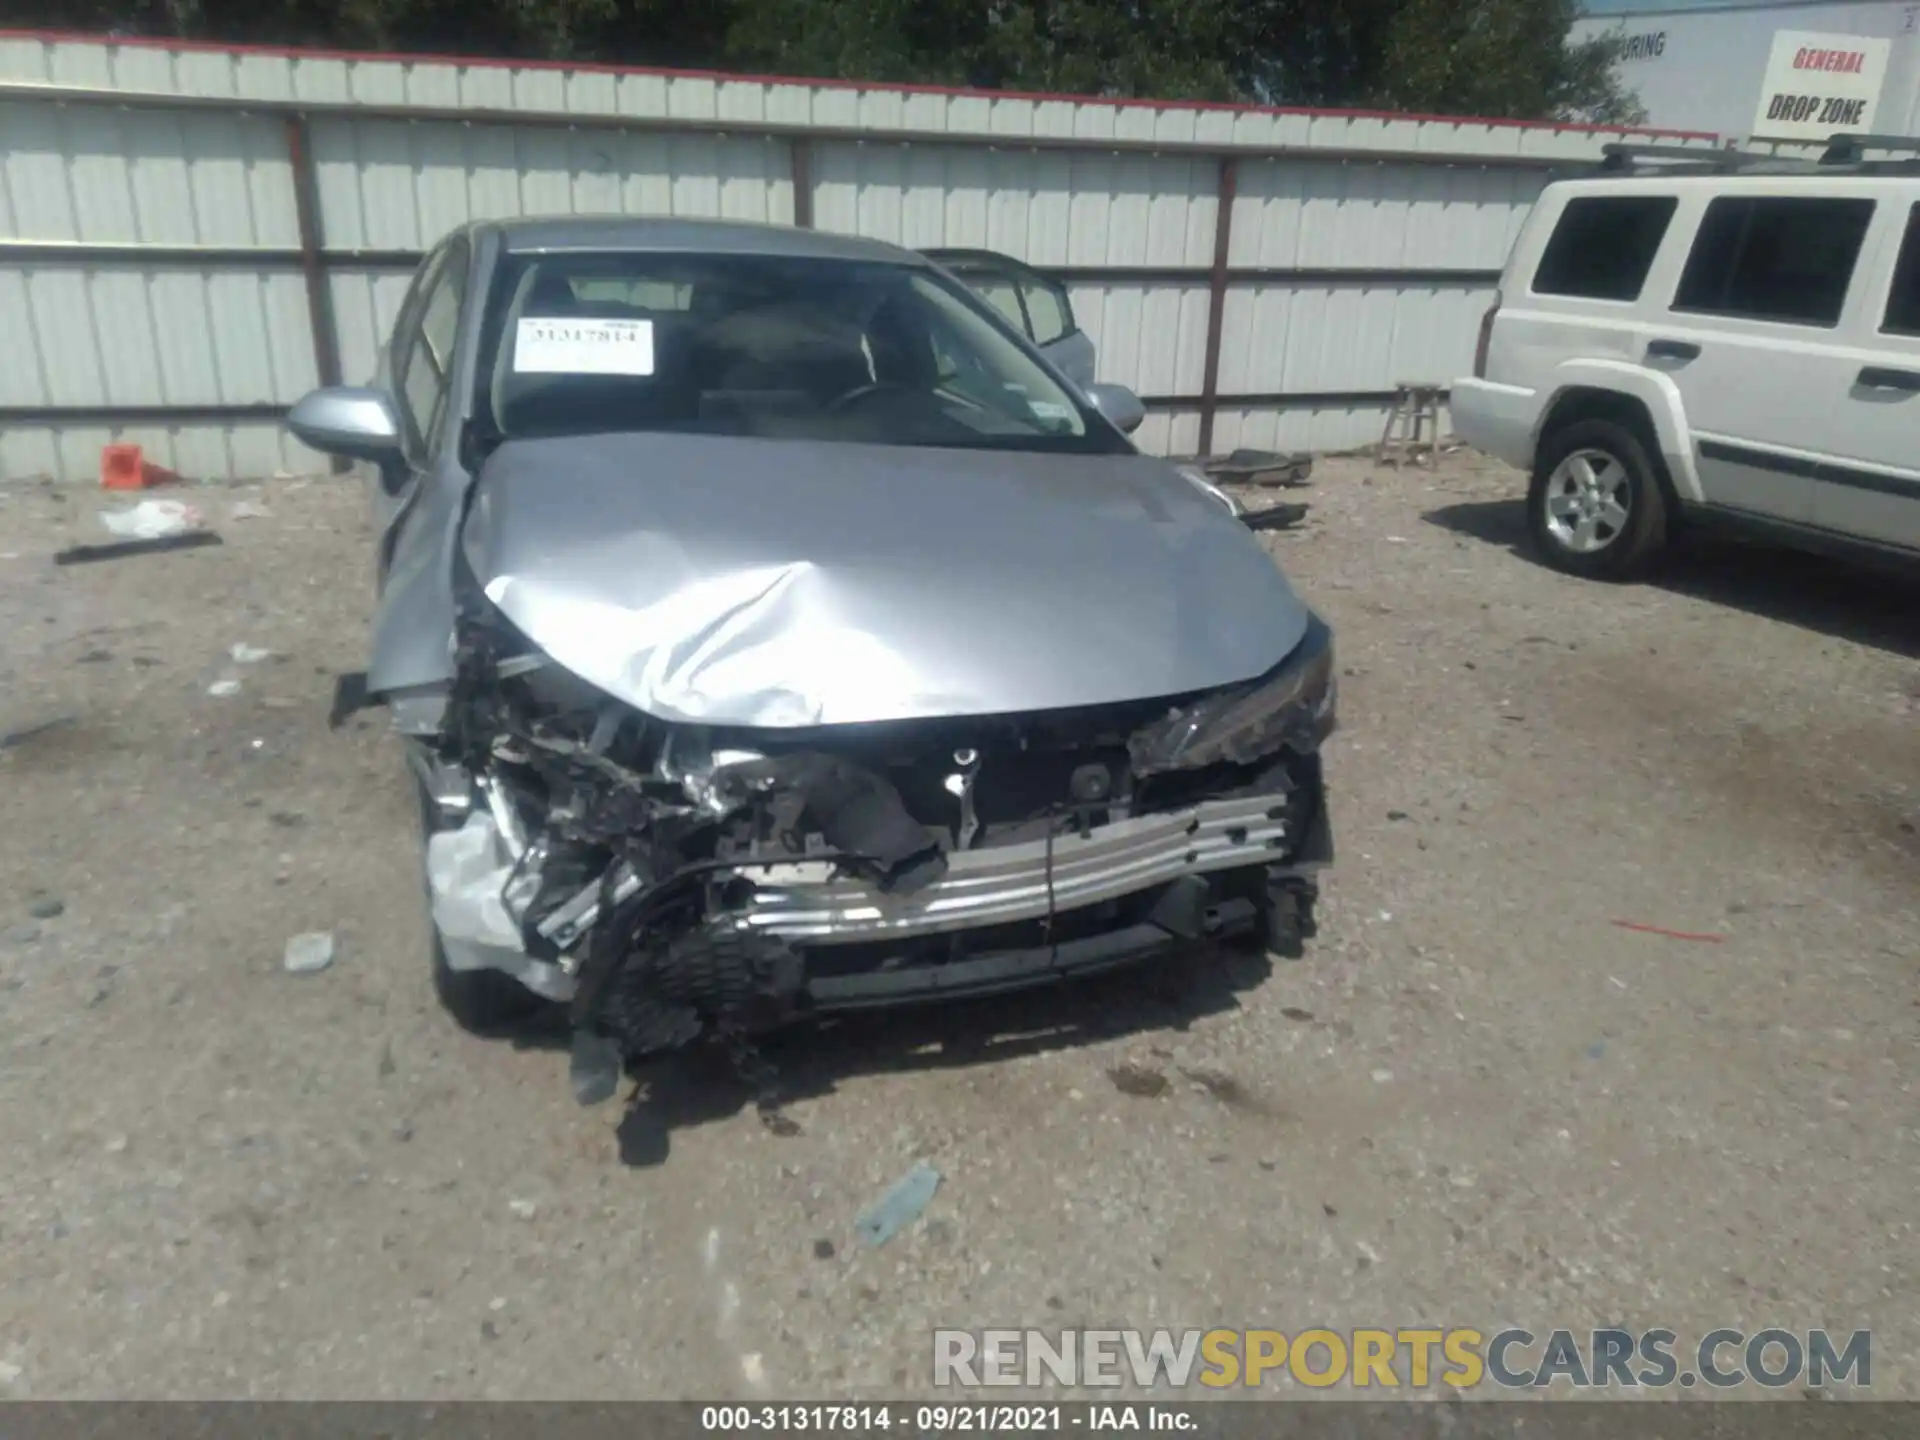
point(1819, 85)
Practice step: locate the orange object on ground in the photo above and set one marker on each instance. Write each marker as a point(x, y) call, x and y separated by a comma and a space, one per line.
point(124, 467)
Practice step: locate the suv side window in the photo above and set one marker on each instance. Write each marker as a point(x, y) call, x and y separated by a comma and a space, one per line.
point(1047, 307)
point(1774, 259)
point(1603, 246)
point(1903, 297)
point(423, 355)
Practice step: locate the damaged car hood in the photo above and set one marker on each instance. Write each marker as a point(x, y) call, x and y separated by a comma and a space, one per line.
point(780, 584)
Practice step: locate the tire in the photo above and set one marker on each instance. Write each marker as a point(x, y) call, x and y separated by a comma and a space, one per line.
point(481, 1002)
point(1585, 474)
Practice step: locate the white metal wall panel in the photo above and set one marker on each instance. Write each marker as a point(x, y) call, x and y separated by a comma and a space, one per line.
point(1150, 338)
point(81, 336)
point(365, 305)
point(82, 173)
point(1441, 216)
point(397, 185)
point(1347, 337)
point(1044, 207)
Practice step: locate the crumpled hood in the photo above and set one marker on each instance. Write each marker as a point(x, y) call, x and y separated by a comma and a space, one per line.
point(780, 584)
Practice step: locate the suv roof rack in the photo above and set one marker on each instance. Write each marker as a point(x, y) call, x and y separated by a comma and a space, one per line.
point(1845, 149)
point(1843, 152)
point(1623, 158)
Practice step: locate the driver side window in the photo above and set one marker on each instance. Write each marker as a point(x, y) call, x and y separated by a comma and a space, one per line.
point(424, 346)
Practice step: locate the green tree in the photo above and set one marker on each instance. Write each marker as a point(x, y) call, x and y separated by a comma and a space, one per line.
point(1501, 58)
point(1496, 58)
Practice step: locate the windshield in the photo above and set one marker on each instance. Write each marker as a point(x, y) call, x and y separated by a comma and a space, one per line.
point(764, 346)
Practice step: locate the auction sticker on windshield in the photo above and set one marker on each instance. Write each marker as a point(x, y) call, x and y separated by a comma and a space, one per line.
point(583, 347)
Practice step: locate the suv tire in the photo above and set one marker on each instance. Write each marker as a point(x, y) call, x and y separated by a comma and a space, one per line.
point(1584, 475)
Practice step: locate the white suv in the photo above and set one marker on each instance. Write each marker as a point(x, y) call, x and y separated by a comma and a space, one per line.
point(1688, 340)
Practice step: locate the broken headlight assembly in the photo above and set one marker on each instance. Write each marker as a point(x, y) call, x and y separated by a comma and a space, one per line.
point(1292, 705)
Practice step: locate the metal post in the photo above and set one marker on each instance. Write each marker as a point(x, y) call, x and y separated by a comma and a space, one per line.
point(1217, 299)
point(313, 265)
point(306, 206)
point(800, 150)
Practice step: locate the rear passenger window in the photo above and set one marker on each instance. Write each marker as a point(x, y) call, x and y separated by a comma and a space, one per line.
point(1903, 299)
point(1603, 246)
point(1049, 309)
point(1770, 259)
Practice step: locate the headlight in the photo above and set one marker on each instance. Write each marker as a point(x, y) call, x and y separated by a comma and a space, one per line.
point(1197, 477)
point(1292, 705)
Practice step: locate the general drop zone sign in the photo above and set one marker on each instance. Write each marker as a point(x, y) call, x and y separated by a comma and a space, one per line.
point(1819, 85)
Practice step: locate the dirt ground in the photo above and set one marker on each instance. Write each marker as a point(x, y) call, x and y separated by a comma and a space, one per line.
point(1478, 1101)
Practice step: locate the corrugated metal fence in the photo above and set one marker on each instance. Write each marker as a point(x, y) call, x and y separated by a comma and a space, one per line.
point(191, 237)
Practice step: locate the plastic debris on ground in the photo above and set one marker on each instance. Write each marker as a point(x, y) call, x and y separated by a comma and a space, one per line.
point(244, 654)
point(899, 1207)
point(11, 738)
point(224, 688)
point(1277, 517)
point(1261, 467)
point(82, 554)
point(467, 869)
point(153, 520)
point(248, 510)
point(310, 953)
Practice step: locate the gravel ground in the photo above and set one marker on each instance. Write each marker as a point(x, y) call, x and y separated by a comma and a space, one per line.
point(1476, 1102)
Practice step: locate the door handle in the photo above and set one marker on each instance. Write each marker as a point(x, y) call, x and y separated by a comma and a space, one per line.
point(1878, 377)
point(1672, 350)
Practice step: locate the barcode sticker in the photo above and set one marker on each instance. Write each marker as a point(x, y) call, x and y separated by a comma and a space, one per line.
point(583, 347)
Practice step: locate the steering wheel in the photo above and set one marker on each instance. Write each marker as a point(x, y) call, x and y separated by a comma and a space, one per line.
point(860, 393)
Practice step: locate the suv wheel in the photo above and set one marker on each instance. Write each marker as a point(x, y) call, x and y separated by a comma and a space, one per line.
point(1595, 506)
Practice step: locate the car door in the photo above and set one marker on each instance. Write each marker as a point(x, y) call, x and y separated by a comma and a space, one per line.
point(1752, 339)
point(416, 373)
point(1869, 488)
point(1038, 306)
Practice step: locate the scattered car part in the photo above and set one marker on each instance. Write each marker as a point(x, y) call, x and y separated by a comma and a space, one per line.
point(1262, 467)
point(119, 549)
point(905, 1199)
point(1276, 517)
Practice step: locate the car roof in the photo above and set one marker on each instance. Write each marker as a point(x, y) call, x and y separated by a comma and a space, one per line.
point(534, 235)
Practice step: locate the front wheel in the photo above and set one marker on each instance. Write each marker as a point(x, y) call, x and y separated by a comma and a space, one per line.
point(1595, 507)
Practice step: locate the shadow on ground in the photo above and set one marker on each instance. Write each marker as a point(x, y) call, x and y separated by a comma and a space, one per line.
point(1868, 606)
point(700, 1084)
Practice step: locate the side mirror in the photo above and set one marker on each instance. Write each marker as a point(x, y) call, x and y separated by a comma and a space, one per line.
point(347, 420)
point(1120, 405)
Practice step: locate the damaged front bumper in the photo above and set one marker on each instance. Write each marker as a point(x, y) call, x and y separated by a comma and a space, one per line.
point(666, 881)
point(807, 902)
point(1155, 881)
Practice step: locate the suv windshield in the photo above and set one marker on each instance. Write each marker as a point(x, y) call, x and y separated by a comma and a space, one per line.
point(764, 346)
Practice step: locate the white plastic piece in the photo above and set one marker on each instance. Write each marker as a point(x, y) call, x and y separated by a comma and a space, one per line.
point(153, 520)
point(466, 870)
